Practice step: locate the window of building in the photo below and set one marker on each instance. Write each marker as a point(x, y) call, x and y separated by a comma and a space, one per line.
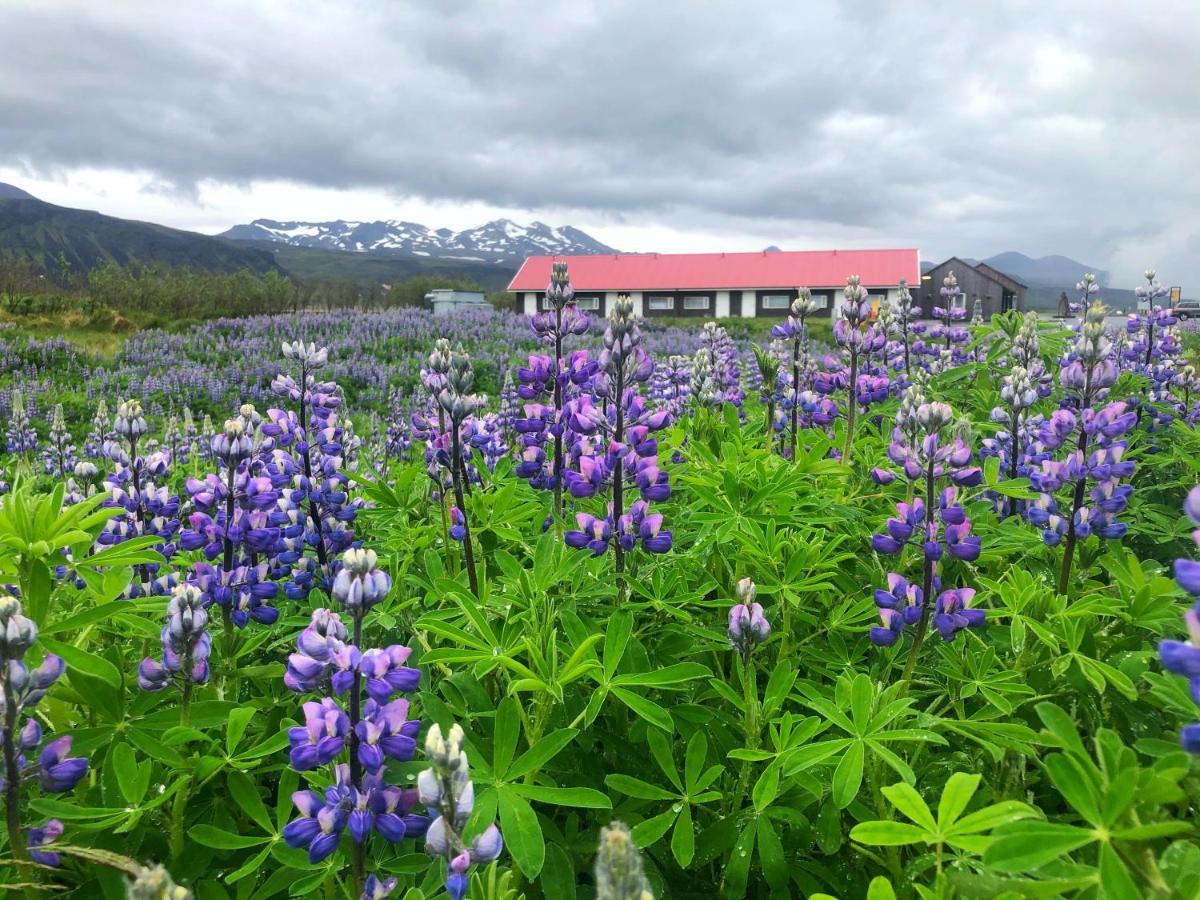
point(697, 302)
point(660, 302)
point(820, 301)
point(545, 303)
point(587, 302)
point(776, 301)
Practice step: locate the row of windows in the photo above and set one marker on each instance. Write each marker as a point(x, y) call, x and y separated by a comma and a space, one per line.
point(583, 302)
point(665, 302)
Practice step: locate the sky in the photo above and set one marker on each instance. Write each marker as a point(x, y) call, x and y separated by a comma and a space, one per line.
point(962, 129)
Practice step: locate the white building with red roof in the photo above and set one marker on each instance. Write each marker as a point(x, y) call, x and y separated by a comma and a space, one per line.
point(715, 285)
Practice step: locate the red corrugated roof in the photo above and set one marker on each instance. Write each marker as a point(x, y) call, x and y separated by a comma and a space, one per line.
point(719, 271)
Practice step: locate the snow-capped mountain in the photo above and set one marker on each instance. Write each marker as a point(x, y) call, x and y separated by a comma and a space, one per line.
point(501, 241)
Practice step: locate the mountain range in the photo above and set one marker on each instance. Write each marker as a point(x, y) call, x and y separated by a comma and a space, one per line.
point(367, 252)
point(501, 242)
point(1044, 271)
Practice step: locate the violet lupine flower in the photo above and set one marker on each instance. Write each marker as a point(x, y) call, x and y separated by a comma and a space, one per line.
point(377, 888)
point(953, 612)
point(456, 406)
point(58, 457)
point(1088, 372)
point(1179, 657)
point(321, 738)
point(858, 339)
point(40, 842)
point(57, 771)
point(311, 667)
point(100, 432)
point(446, 788)
point(593, 533)
point(903, 321)
point(360, 584)
point(368, 733)
point(724, 370)
point(560, 319)
point(20, 438)
point(146, 509)
point(314, 434)
point(748, 626)
point(951, 308)
point(617, 416)
point(934, 521)
point(186, 643)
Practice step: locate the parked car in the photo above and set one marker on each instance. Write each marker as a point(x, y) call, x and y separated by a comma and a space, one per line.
point(1187, 309)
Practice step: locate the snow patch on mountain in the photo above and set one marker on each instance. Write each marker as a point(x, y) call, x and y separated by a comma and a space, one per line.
point(500, 241)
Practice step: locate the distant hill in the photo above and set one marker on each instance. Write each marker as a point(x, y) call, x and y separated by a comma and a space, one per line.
point(339, 265)
point(501, 242)
point(1046, 270)
point(12, 192)
point(40, 232)
point(1047, 277)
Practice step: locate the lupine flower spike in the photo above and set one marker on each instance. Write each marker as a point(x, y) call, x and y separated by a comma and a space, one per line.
point(446, 788)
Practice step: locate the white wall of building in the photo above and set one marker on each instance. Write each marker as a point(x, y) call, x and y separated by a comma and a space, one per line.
point(722, 305)
point(528, 301)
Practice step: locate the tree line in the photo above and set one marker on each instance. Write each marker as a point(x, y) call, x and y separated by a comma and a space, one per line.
point(151, 291)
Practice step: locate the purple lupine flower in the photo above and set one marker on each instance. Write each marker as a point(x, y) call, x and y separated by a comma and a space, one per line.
point(893, 627)
point(321, 738)
point(40, 840)
point(186, 643)
point(57, 772)
point(935, 521)
point(360, 584)
point(748, 626)
point(446, 788)
point(23, 688)
point(1179, 657)
point(953, 612)
point(377, 888)
point(318, 828)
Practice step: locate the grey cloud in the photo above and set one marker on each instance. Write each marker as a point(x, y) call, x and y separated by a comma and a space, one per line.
point(1045, 127)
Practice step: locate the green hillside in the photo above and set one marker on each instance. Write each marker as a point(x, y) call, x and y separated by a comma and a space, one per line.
point(41, 232)
point(340, 265)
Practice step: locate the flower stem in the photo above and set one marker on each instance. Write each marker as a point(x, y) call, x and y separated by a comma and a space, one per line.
point(851, 408)
point(12, 777)
point(926, 586)
point(468, 545)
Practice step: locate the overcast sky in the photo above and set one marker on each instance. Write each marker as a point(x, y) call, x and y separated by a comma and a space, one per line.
point(968, 129)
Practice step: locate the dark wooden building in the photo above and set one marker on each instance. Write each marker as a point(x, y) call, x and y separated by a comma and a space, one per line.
point(999, 292)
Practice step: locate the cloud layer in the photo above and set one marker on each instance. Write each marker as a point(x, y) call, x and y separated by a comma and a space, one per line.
point(1045, 127)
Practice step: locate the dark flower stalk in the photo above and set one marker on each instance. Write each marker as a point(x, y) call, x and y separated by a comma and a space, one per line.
point(856, 340)
point(553, 325)
point(795, 330)
point(459, 404)
point(311, 359)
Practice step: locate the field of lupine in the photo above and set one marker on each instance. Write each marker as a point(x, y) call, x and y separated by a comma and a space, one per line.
point(376, 605)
